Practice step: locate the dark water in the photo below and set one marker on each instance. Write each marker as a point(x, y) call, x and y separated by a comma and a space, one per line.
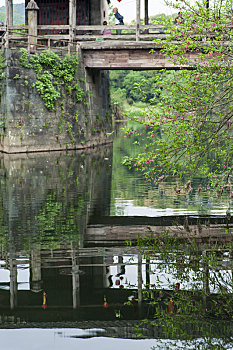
point(48, 202)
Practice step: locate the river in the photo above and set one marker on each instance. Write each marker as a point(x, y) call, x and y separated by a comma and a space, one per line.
point(61, 286)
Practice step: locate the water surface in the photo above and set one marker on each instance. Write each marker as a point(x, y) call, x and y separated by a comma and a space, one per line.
point(47, 203)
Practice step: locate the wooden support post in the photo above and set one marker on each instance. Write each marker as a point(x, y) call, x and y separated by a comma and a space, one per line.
point(10, 13)
point(146, 12)
point(146, 19)
point(32, 9)
point(7, 23)
point(72, 20)
point(137, 20)
point(13, 283)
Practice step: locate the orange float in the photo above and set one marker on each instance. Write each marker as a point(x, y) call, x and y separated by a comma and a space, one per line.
point(171, 306)
point(105, 303)
point(44, 305)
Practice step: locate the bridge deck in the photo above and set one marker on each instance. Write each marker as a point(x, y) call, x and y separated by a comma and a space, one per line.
point(127, 55)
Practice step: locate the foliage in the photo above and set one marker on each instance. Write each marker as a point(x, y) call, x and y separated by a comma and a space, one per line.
point(124, 84)
point(190, 131)
point(53, 75)
point(56, 223)
point(111, 17)
point(192, 296)
point(18, 11)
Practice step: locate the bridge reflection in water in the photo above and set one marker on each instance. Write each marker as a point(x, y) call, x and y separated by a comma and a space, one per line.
point(61, 266)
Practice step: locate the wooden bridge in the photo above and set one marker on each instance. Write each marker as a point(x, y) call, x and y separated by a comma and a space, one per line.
point(126, 51)
point(130, 50)
point(116, 230)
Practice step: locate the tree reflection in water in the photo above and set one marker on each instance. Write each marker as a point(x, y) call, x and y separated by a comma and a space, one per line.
point(192, 299)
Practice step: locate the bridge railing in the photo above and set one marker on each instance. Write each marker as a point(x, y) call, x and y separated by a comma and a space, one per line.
point(64, 36)
point(48, 35)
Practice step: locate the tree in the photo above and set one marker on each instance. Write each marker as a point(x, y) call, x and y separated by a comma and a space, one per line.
point(191, 131)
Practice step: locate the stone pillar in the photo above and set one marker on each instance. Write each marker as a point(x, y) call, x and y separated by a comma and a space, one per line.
point(137, 20)
point(32, 9)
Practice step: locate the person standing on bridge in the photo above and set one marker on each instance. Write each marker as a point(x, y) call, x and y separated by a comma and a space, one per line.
point(179, 19)
point(118, 19)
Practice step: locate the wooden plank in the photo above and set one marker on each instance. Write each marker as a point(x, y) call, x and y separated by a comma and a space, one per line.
point(131, 37)
point(161, 220)
point(52, 27)
point(17, 27)
point(115, 27)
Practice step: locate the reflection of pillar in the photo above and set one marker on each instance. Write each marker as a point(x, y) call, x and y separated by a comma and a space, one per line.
point(36, 271)
point(206, 288)
point(139, 285)
point(147, 273)
point(75, 281)
point(13, 283)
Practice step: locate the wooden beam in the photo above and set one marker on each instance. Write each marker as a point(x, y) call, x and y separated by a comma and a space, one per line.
point(146, 21)
point(101, 27)
point(72, 19)
point(172, 220)
point(10, 9)
point(137, 20)
point(6, 13)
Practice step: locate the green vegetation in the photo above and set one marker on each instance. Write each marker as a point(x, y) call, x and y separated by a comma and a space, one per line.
point(56, 223)
point(189, 132)
point(124, 86)
point(18, 11)
point(53, 76)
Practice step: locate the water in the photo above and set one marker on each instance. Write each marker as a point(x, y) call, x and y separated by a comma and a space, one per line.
point(46, 246)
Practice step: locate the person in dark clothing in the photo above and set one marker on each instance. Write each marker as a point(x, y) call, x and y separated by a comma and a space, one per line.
point(179, 19)
point(118, 19)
